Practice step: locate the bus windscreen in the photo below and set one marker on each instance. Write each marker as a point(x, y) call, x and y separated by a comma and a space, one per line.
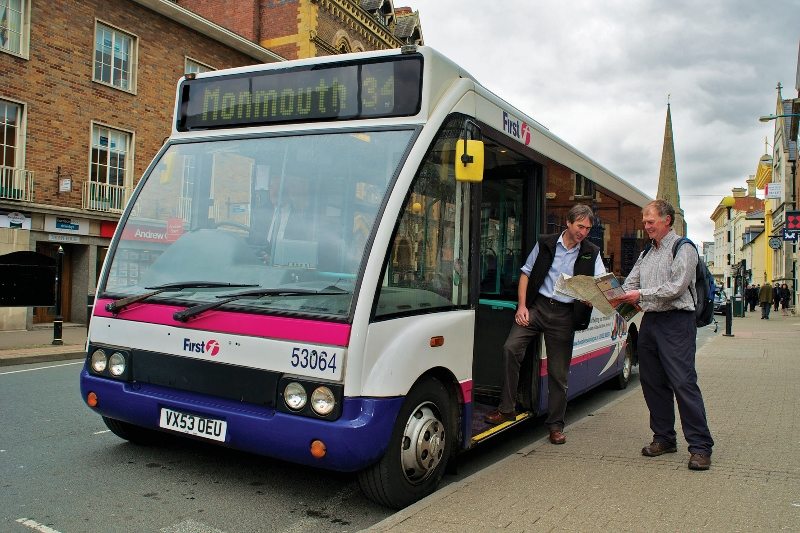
point(390, 87)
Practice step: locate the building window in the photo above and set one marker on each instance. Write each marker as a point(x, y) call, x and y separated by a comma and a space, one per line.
point(110, 150)
point(114, 59)
point(10, 124)
point(584, 187)
point(15, 26)
point(195, 67)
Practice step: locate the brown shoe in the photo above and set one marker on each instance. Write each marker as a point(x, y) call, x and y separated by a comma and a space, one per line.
point(557, 437)
point(498, 417)
point(699, 461)
point(654, 449)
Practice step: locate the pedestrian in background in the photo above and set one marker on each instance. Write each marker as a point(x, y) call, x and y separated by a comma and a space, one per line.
point(765, 300)
point(662, 286)
point(785, 300)
point(752, 297)
point(776, 296)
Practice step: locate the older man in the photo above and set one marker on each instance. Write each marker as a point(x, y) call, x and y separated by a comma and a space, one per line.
point(660, 284)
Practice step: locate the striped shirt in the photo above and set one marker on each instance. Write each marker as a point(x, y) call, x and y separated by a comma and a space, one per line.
point(663, 282)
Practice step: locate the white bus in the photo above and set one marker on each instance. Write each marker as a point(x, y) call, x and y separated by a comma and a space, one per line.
point(316, 267)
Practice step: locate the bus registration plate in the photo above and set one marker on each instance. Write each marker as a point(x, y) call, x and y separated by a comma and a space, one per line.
point(208, 428)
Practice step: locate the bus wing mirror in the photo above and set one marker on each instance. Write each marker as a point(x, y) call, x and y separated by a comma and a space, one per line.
point(469, 160)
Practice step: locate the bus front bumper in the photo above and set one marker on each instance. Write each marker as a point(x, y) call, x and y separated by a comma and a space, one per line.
point(354, 441)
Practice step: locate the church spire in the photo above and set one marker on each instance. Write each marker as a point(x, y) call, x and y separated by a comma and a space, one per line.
point(668, 176)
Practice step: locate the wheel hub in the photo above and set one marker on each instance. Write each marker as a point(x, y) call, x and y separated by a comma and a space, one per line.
point(423, 444)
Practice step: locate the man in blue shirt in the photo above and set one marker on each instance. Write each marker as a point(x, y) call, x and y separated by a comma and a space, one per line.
point(540, 310)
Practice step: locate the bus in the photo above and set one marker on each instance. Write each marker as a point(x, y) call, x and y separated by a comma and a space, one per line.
point(320, 265)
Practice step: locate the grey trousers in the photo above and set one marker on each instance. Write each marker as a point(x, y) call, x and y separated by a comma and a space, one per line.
point(554, 321)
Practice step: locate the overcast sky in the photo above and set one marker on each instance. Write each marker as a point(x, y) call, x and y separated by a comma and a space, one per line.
point(597, 74)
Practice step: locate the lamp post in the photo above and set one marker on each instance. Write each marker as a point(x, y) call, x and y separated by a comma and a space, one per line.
point(729, 202)
point(59, 320)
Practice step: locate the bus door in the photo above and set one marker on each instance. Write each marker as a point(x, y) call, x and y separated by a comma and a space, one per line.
point(504, 218)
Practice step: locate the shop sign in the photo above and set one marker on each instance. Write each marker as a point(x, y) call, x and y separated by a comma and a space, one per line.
point(141, 232)
point(74, 239)
point(791, 232)
point(174, 229)
point(65, 224)
point(15, 220)
point(774, 190)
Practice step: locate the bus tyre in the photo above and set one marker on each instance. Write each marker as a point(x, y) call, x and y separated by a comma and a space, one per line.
point(624, 376)
point(421, 443)
point(131, 433)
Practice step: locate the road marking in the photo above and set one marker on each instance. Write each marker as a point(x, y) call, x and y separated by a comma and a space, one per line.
point(40, 368)
point(101, 432)
point(36, 526)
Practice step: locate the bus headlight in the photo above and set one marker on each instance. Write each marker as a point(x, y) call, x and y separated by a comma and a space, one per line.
point(295, 396)
point(116, 364)
point(322, 400)
point(99, 361)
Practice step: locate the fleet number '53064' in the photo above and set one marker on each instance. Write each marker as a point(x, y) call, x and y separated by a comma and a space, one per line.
point(313, 359)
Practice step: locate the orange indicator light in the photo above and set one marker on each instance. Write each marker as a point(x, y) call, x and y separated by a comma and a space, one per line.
point(437, 341)
point(318, 449)
point(91, 399)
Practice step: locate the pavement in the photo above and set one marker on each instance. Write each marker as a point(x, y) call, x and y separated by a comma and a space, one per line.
point(598, 480)
point(21, 347)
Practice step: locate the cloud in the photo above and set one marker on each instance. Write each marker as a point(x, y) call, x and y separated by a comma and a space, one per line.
point(598, 75)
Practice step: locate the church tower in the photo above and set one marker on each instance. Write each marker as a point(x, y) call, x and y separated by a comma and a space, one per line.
point(668, 177)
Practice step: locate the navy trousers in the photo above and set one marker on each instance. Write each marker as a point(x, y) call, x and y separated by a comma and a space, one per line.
point(666, 347)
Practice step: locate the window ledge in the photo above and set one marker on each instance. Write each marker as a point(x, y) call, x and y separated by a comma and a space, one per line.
point(112, 86)
point(22, 55)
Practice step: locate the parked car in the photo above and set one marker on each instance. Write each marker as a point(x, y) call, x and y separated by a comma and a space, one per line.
point(720, 301)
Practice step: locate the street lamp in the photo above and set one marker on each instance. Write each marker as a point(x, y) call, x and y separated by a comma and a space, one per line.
point(767, 118)
point(729, 202)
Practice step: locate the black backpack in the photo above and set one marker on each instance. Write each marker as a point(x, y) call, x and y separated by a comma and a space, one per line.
point(704, 286)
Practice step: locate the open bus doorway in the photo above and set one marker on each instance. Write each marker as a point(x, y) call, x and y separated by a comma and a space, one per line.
point(508, 215)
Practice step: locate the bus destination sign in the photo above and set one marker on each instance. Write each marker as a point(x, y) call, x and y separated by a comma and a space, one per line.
point(391, 87)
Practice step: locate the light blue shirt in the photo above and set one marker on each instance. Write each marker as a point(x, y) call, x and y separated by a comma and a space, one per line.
point(564, 261)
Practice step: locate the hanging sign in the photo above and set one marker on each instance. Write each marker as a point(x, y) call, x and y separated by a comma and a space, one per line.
point(774, 190)
point(791, 231)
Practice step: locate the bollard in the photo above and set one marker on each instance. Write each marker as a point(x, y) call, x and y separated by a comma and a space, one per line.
point(58, 323)
point(728, 319)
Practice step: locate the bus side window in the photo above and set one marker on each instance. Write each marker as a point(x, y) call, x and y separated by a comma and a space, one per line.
point(429, 256)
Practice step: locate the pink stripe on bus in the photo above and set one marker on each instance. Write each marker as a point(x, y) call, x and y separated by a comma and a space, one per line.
point(273, 327)
point(575, 360)
point(466, 390)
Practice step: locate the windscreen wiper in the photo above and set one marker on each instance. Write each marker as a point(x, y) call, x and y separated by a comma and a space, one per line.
point(186, 314)
point(118, 305)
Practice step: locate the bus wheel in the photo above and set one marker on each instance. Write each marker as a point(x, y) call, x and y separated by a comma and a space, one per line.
point(131, 433)
point(624, 376)
point(422, 441)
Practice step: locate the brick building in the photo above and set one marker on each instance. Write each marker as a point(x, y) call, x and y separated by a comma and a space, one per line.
point(86, 100)
point(310, 28)
point(618, 222)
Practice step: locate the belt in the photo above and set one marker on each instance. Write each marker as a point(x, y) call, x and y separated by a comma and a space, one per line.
point(555, 303)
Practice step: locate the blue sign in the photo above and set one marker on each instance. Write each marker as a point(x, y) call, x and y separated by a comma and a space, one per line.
point(67, 224)
point(790, 234)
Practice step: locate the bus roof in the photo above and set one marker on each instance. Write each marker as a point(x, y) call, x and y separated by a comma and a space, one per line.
point(440, 76)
